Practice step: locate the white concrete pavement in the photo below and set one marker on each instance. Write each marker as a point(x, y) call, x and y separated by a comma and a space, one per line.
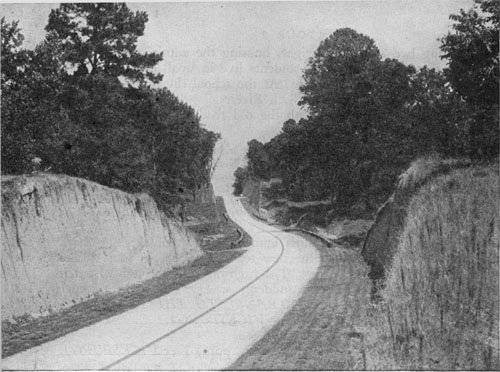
point(205, 325)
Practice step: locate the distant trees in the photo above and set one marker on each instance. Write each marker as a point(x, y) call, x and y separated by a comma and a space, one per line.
point(370, 117)
point(258, 160)
point(241, 176)
point(64, 103)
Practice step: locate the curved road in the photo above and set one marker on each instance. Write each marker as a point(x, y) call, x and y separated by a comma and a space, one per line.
point(205, 325)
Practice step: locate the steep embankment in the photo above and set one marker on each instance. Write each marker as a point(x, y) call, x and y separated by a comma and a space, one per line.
point(64, 239)
point(442, 286)
point(435, 245)
point(383, 237)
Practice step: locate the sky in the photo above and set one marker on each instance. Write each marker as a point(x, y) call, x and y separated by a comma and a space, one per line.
point(240, 64)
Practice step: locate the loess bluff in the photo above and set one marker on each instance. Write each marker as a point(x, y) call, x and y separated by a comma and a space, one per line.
point(66, 239)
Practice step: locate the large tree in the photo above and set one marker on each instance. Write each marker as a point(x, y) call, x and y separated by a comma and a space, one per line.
point(102, 38)
point(472, 51)
point(334, 77)
point(86, 123)
point(357, 103)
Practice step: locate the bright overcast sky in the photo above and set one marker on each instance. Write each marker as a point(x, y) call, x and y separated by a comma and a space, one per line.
point(240, 64)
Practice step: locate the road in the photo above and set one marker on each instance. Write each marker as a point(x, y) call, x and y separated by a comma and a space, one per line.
point(205, 325)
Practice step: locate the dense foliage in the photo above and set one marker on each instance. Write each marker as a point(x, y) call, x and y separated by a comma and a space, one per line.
point(67, 104)
point(369, 117)
point(241, 176)
point(472, 51)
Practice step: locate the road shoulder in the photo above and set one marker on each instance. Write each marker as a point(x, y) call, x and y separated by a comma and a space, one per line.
point(323, 330)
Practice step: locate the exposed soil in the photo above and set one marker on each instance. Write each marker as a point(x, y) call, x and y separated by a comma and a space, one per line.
point(324, 329)
point(29, 332)
point(214, 237)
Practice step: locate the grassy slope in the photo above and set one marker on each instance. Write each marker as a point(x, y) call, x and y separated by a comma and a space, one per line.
point(442, 289)
point(29, 332)
point(322, 330)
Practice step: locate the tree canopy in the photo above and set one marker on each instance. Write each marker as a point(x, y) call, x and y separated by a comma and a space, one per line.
point(102, 38)
point(79, 119)
point(335, 75)
point(472, 52)
point(369, 117)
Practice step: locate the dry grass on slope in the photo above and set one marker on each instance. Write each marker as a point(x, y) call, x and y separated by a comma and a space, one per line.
point(442, 290)
point(382, 240)
point(424, 168)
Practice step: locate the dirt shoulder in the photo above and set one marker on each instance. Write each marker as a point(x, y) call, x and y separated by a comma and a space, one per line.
point(215, 239)
point(215, 230)
point(322, 330)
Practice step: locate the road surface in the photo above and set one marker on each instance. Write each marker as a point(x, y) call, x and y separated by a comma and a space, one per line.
point(205, 325)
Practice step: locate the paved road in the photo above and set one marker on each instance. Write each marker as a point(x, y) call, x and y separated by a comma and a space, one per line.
point(207, 324)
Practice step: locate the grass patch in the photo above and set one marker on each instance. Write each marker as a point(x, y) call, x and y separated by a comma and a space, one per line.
point(321, 330)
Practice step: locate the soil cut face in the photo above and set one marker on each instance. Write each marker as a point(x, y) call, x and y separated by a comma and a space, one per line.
point(29, 332)
point(215, 239)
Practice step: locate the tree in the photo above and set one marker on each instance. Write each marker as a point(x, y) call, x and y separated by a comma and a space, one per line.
point(13, 59)
point(240, 175)
point(438, 117)
point(258, 160)
point(32, 123)
point(357, 103)
point(472, 51)
point(334, 76)
point(102, 37)
point(87, 124)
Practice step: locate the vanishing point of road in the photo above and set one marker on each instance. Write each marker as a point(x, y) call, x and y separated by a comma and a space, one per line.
point(205, 325)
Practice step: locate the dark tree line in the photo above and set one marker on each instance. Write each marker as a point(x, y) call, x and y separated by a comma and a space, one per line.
point(82, 102)
point(369, 117)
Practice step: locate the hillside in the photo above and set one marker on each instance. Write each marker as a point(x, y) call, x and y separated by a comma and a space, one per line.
point(439, 291)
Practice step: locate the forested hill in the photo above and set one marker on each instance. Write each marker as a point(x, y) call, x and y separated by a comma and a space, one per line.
point(369, 117)
point(82, 103)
